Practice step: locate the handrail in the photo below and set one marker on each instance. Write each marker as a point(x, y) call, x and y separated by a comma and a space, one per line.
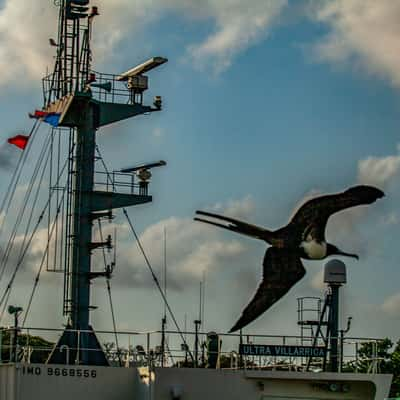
point(143, 348)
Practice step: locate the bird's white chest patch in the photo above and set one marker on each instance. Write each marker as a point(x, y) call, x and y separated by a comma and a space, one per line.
point(314, 250)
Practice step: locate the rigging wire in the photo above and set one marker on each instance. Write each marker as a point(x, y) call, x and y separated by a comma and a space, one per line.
point(110, 298)
point(36, 196)
point(23, 253)
point(156, 280)
point(27, 229)
point(21, 213)
point(60, 203)
point(44, 257)
point(16, 175)
point(148, 262)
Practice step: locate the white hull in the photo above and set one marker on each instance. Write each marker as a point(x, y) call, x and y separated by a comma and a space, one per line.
point(52, 382)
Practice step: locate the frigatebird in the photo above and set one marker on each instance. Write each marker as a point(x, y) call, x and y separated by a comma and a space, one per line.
point(302, 237)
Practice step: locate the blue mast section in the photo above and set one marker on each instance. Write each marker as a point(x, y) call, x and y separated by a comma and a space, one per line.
point(71, 91)
point(82, 233)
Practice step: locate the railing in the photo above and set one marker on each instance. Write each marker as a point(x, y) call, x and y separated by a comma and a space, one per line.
point(119, 182)
point(144, 349)
point(106, 88)
point(118, 92)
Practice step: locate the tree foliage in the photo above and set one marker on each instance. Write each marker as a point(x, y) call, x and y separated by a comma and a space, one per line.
point(388, 361)
point(39, 347)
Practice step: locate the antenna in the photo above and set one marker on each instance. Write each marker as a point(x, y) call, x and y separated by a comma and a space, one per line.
point(200, 302)
point(114, 263)
point(164, 319)
point(165, 272)
point(197, 324)
point(204, 300)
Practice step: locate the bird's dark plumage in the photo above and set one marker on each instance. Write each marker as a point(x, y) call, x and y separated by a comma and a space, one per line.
point(281, 270)
point(302, 237)
point(318, 210)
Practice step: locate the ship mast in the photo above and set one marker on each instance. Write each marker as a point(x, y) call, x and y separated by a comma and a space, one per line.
point(86, 101)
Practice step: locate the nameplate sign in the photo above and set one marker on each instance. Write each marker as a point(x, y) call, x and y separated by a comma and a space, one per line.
point(281, 351)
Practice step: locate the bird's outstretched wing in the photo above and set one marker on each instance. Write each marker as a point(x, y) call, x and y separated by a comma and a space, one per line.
point(233, 225)
point(282, 269)
point(317, 211)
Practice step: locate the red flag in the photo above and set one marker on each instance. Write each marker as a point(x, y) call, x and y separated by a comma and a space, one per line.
point(38, 114)
point(20, 141)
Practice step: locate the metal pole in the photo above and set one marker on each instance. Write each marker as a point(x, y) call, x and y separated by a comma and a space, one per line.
point(164, 321)
point(240, 345)
point(148, 348)
point(14, 341)
point(334, 321)
point(341, 350)
point(82, 227)
point(15, 345)
point(196, 343)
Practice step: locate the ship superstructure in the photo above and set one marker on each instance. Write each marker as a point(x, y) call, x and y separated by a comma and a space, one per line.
point(78, 101)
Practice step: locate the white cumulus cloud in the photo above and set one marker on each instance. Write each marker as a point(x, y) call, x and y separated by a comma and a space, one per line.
point(391, 305)
point(379, 171)
point(364, 32)
point(236, 208)
point(192, 248)
point(238, 25)
point(25, 28)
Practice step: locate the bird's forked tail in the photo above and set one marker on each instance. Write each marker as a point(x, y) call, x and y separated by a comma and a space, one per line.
point(236, 226)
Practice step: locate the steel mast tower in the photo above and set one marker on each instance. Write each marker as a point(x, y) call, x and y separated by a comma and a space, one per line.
point(84, 101)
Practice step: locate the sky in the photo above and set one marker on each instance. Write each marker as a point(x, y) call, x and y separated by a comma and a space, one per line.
point(265, 103)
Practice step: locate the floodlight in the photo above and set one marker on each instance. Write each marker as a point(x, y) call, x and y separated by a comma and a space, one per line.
point(140, 69)
point(140, 350)
point(157, 102)
point(14, 310)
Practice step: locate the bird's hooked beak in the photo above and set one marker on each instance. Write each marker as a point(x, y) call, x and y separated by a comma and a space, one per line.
point(334, 251)
point(342, 253)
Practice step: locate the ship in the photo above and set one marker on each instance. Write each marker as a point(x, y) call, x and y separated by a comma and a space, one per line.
point(76, 361)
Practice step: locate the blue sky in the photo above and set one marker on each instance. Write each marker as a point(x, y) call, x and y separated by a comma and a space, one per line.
point(262, 106)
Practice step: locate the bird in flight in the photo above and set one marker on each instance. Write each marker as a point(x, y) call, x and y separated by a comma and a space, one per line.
point(302, 237)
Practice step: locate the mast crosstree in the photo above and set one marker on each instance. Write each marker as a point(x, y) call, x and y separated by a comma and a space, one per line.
point(85, 101)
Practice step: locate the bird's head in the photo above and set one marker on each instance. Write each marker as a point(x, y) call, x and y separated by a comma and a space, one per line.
point(332, 250)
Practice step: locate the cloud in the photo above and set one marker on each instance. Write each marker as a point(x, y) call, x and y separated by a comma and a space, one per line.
point(236, 208)
point(317, 280)
point(158, 132)
point(236, 26)
point(363, 32)
point(192, 248)
point(379, 171)
point(391, 305)
point(24, 49)
point(8, 156)
point(392, 218)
